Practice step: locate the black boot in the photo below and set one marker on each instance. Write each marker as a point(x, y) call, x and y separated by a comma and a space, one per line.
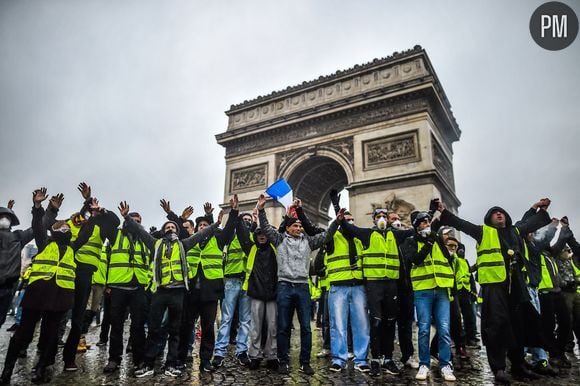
point(10, 361)
point(41, 375)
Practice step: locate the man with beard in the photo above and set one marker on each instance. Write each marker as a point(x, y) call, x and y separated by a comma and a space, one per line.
point(170, 281)
point(501, 261)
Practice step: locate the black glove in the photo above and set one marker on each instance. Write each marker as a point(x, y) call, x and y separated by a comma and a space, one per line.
point(433, 205)
point(335, 199)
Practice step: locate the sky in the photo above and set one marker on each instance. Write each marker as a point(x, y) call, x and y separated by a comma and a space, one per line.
point(128, 95)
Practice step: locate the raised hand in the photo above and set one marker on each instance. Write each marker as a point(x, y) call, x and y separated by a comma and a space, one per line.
point(94, 205)
point(261, 202)
point(187, 212)
point(85, 190)
point(10, 204)
point(56, 201)
point(165, 205)
point(297, 202)
point(123, 208)
point(38, 196)
point(255, 214)
point(207, 208)
point(340, 215)
point(234, 202)
point(220, 216)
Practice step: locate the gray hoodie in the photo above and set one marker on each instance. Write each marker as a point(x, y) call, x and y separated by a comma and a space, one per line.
point(293, 253)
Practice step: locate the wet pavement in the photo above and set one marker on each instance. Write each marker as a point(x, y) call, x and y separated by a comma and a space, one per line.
point(472, 372)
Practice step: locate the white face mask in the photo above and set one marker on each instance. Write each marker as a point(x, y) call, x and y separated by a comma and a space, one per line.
point(381, 223)
point(425, 232)
point(4, 223)
point(397, 224)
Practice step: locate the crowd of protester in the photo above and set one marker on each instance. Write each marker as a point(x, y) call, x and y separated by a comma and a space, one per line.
point(369, 284)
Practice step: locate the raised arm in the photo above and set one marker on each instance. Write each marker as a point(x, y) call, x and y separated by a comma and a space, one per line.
point(135, 228)
point(196, 238)
point(227, 235)
point(272, 233)
point(309, 228)
point(448, 218)
point(363, 234)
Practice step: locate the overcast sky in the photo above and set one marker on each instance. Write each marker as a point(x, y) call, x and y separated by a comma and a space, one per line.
point(128, 95)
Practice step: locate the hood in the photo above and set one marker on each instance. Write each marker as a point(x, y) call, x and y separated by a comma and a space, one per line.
point(13, 219)
point(487, 218)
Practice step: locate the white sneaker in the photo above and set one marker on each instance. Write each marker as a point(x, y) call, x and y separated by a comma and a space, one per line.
point(412, 363)
point(447, 373)
point(324, 353)
point(350, 356)
point(423, 373)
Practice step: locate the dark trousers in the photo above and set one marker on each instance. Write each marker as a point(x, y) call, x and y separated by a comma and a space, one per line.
point(290, 297)
point(555, 312)
point(83, 282)
point(405, 324)
point(25, 332)
point(206, 311)
point(106, 323)
point(384, 310)
point(6, 295)
point(325, 323)
point(136, 301)
point(170, 299)
point(465, 300)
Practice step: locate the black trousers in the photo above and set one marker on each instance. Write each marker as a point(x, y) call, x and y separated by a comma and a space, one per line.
point(206, 311)
point(170, 299)
point(106, 322)
point(465, 300)
point(83, 282)
point(325, 322)
point(136, 301)
point(405, 324)
point(48, 340)
point(555, 313)
point(383, 310)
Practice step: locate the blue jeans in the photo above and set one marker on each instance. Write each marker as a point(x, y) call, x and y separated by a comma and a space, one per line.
point(538, 353)
point(233, 296)
point(433, 302)
point(345, 301)
point(290, 297)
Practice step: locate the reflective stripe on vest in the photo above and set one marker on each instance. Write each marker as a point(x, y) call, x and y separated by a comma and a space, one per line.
point(47, 264)
point(338, 263)
point(170, 267)
point(490, 261)
point(434, 272)
point(235, 258)
point(549, 272)
point(462, 274)
point(193, 257)
point(576, 273)
point(90, 252)
point(212, 260)
point(122, 267)
point(250, 264)
point(100, 275)
point(381, 259)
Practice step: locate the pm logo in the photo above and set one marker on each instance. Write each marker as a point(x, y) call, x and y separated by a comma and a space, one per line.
point(554, 26)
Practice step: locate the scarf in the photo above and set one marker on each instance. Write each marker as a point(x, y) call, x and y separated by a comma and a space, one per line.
point(168, 241)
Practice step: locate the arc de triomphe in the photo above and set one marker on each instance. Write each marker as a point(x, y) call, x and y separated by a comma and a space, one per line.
point(383, 130)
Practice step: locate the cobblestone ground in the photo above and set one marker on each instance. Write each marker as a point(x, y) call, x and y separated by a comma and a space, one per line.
point(473, 372)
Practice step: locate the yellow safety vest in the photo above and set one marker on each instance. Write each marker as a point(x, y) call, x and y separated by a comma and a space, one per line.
point(549, 272)
point(577, 273)
point(250, 264)
point(100, 275)
point(434, 272)
point(170, 267)
point(211, 260)
point(381, 258)
point(338, 263)
point(235, 258)
point(90, 252)
point(462, 274)
point(122, 267)
point(47, 264)
point(490, 261)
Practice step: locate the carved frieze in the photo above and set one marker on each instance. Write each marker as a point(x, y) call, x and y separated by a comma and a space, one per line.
point(396, 204)
point(343, 146)
point(442, 164)
point(340, 122)
point(249, 178)
point(391, 150)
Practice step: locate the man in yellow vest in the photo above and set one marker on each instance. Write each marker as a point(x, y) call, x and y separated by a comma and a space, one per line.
point(381, 269)
point(432, 279)
point(501, 272)
point(205, 262)
point(127, 279)
point(170, 281)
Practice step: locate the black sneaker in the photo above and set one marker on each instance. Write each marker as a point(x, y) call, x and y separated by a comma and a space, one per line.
point(254, 364)
point(306, 369)
point(172, 371)
point(111, 367)
point(272, 364)
point(336, 367)
point(101, 343)
point(502, 377)
point(375, 368)
point(217, 361)
point(283, 368)
point(69, 367)
point(180, 365)
point(363, 368)
point(390, 367)
point(206, 366)
point(243, 359)
point(144, 371)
